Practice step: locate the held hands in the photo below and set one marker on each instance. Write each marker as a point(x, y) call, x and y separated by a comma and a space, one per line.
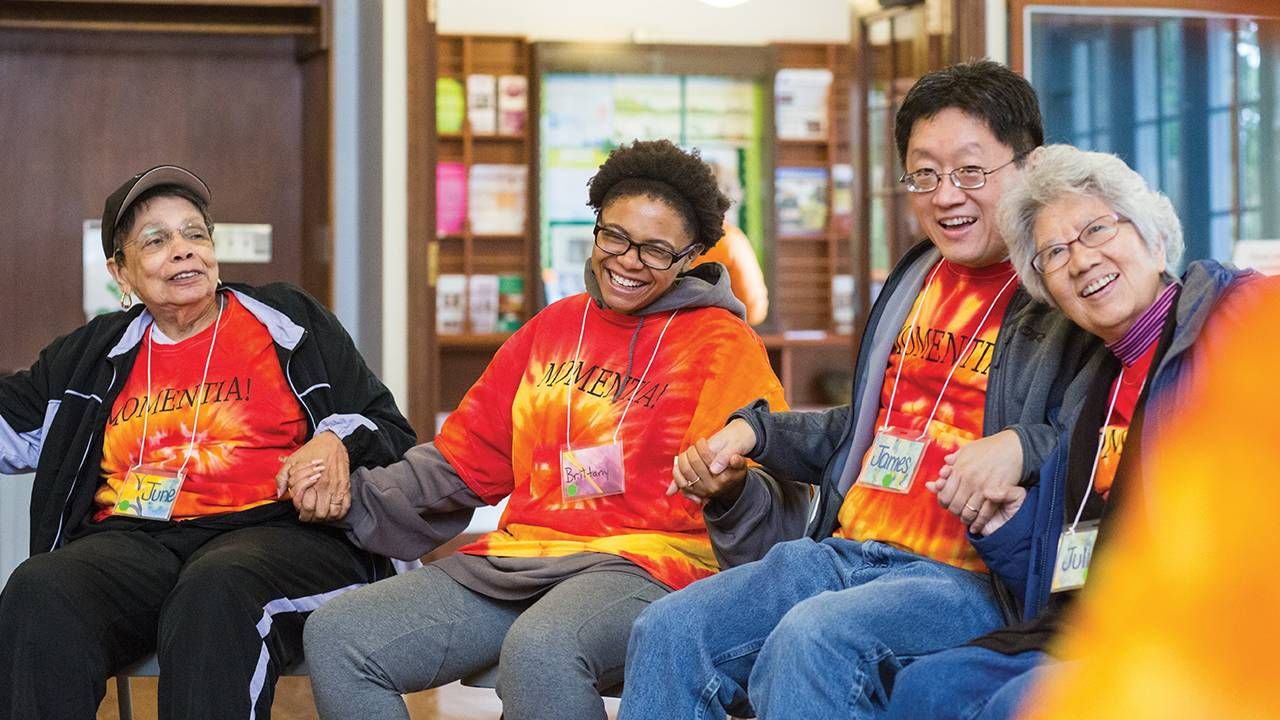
point(979, 482)
point(716, 466)
point(317, 477)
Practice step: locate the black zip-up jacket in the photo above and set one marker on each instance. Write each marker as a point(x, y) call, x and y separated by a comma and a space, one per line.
point(52, 416)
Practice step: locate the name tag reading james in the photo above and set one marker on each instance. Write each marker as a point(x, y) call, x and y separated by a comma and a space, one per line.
point(149, 493)
point(893, 460)
point(591, 472)
point(1075, 551)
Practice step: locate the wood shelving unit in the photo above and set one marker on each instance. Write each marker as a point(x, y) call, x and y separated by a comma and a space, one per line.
point(806, 348)
point(461, 358)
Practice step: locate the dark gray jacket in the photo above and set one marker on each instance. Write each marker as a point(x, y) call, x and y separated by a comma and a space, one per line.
point(1038, 352)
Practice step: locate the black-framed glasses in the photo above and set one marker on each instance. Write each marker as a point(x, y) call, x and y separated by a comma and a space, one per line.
point(969, 177)
point(654, 256)
point(1096, 233)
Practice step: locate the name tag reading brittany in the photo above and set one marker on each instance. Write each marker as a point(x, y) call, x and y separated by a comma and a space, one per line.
point(149, 493)
point(893, 460)
point(1075, 551)
point(591, 472)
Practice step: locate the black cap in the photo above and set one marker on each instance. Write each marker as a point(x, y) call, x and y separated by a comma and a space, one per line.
point(122, 198)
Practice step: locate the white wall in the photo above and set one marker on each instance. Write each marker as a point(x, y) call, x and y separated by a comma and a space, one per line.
point(757, 22)
point(15, 522)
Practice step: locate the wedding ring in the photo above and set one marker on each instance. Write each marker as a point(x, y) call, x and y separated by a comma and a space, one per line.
point(970, 508)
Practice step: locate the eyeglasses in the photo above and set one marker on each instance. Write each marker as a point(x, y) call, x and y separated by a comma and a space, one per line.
point(654, 256)
point(969, 177)
point(1096, 233)
point(156, 238)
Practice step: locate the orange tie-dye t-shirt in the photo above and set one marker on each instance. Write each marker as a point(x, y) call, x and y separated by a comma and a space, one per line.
point(951, 309)
point(506, 436)
point(248, 420)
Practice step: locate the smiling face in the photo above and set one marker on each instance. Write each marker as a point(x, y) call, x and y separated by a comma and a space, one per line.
point(1104, 289)
point(627, 284)
point(168, 259)
point(961, 223)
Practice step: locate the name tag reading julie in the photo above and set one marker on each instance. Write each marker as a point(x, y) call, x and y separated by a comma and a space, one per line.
point(1075, 552)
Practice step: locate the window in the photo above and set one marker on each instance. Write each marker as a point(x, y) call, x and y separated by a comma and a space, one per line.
point(1189, 100)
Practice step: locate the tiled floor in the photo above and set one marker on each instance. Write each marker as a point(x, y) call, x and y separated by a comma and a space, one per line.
point(293, 702)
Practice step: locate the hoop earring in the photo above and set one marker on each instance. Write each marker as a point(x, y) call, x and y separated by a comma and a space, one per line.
point(126, 301)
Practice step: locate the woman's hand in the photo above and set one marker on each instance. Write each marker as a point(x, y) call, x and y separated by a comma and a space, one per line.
point(973, 480)
point(317, 477)
point(716, 466)
point(1007, 503)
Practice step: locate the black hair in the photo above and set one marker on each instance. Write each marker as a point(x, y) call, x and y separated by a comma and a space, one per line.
point(130, 215)
point(988, 91)
point(658, 169)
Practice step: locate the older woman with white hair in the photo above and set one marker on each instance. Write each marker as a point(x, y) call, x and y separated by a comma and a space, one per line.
point(1087, 235)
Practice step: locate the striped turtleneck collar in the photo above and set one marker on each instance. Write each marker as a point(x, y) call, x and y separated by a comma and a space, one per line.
point(1146, 329)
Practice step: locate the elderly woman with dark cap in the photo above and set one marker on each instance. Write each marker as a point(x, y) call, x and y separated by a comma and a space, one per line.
point(157, 435)
point(577, 422)
point(1087, 235)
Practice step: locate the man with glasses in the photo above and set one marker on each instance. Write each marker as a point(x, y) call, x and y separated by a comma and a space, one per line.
point(957, 378)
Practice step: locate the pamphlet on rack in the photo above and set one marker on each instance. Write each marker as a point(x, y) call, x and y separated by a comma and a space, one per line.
point(513, 104)
point(496, 199)
point(482, 106)
point(482, 308)
point(451, 291)
point(800, 99)
point(510, 302)
point(451, 198)
point(450, 106)
point(800, 199)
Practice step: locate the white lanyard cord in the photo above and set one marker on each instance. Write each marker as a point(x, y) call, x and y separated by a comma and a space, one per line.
point(1102, 436)
point(146, 405)
point(568, 394)
point(959, 358)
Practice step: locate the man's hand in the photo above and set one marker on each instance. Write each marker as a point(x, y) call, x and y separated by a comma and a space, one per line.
point(974, 479)
point(716, 466)
point(317, 476)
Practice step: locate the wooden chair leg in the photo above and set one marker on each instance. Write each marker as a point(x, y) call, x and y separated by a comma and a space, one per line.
point(123, 699)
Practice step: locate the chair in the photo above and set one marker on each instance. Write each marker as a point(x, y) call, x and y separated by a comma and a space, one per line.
point(150, 667)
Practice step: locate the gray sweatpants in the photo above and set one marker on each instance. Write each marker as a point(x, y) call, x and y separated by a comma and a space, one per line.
point(422, 630)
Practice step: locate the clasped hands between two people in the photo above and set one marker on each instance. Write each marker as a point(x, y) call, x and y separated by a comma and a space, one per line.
point(978, 482)
point(317, 478)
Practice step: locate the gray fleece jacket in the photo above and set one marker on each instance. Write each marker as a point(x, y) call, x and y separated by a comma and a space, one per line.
point(1037, 355)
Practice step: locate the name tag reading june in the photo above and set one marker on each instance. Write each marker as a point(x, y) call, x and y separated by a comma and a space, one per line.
point(1075, 551)
point(893, 460)
point(591, 472)
point(149, 493)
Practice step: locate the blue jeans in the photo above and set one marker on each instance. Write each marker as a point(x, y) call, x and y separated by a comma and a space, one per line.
point(965, 683)
point(814, 629)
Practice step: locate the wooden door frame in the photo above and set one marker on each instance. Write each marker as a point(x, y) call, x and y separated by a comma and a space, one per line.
point(306, 20)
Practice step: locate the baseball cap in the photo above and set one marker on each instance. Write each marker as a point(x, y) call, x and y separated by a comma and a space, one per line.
point(123, 197)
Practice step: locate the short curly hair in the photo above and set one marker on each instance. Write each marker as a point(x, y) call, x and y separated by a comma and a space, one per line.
point(660, 170)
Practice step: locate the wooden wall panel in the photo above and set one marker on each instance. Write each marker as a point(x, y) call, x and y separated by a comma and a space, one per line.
point(81, 112)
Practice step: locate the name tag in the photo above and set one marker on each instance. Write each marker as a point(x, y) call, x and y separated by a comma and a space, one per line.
point(591, 472)
point(1075, 551)
point(149, 493)
point(893, 460)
